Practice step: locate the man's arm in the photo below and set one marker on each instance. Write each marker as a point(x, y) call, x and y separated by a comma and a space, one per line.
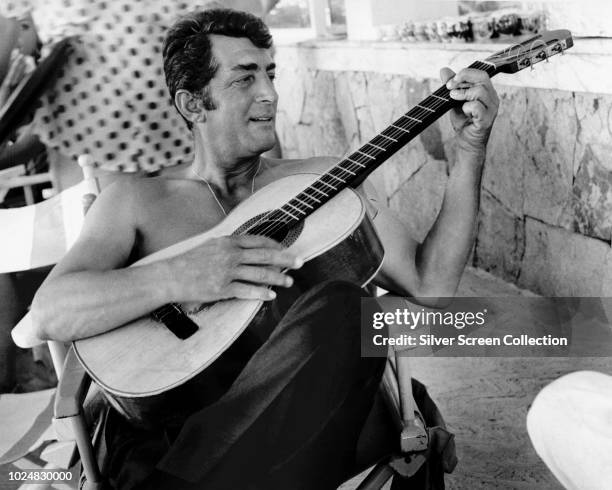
point(73, 300)
point(91, 291)
point(434, 268)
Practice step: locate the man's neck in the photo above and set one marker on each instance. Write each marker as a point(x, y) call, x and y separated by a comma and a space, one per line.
point(230, 178)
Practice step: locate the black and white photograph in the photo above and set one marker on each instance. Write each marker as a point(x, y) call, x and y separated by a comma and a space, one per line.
point(305, 245)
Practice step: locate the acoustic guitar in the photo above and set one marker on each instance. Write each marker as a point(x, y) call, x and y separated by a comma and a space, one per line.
point(319, 218)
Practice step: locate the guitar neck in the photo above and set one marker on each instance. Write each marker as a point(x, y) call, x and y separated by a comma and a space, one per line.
point(353, 169)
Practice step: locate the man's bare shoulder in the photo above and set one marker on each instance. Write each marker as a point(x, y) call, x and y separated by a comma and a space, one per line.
point(137, 199)
point(143, 190)
point(160, 210)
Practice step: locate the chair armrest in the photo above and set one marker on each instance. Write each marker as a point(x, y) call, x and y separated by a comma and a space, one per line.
point(69, 398)
point(72, 388)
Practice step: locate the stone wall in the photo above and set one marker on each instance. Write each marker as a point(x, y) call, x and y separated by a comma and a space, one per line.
point(546, 202)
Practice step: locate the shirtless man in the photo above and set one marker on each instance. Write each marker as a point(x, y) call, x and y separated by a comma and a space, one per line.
point(220, 73)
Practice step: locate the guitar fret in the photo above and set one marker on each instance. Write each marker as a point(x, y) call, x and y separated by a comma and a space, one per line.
point(388, 137)
point(401, 129)
point(356, 163)
point(319, 191)
point(328, 185)
point(441, 98)
point(413, 118)
point(365, 154)
point(311, 197)
point(329, 174)
point(346, 170)
point(376, 146)
point(297, 209)
point(288, 213)
point(426, 108)
point(304, 203)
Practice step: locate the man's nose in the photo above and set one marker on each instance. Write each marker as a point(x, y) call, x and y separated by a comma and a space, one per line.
point(266, 91)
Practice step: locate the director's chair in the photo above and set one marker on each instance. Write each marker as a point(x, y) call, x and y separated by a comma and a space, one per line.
point(40, 235)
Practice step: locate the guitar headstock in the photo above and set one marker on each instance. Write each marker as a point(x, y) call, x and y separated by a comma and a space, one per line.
point(531, 51)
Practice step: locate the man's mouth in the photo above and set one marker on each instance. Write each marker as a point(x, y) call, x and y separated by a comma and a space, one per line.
point(261, 119)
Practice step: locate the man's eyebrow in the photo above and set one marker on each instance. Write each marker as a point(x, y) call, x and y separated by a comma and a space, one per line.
point(252, 67)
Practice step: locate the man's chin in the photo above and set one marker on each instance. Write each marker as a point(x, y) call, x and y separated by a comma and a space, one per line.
point(266, 144)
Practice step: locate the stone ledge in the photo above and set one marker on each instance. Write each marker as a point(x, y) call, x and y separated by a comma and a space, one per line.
point(581, 69)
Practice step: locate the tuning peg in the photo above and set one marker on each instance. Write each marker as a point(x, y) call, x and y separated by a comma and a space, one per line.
point(542, 55)
point(557, 48)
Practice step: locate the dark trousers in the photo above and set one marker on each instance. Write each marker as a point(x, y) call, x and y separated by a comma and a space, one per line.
point(291, 419)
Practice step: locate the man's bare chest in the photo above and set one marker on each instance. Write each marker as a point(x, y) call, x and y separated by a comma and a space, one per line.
point(174, 220)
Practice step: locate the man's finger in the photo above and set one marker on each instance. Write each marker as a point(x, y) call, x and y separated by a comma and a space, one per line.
point(250, 291)
point(476, 111)
point(262, 275)
point(458, 119)
point(265, 256)
point(468, 75)
point(475, 92)
point(446, 74)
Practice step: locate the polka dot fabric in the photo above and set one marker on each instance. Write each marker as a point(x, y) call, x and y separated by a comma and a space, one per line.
point(110, 99)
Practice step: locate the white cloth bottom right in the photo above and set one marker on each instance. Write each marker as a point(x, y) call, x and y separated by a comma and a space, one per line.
point(570, 426)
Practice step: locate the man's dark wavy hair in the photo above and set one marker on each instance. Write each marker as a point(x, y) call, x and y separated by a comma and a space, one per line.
point(188, 60)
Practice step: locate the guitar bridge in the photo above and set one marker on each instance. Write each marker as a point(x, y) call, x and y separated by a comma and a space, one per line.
point(175, 320)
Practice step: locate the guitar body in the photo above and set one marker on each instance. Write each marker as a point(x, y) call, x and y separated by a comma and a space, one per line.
point(151, 374)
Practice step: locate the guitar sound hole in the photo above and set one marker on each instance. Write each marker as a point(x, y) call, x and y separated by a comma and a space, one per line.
point(277, 230)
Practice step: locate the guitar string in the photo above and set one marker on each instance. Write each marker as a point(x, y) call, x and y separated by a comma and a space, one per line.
point(280, 217)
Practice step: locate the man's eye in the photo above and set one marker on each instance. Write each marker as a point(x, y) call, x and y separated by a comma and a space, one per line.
point(272, 76)
point(244, 80)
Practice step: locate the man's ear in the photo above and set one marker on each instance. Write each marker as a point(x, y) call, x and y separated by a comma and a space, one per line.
point(190, 106)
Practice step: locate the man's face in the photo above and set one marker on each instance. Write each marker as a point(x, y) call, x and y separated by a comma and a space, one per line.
point(242, 124)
